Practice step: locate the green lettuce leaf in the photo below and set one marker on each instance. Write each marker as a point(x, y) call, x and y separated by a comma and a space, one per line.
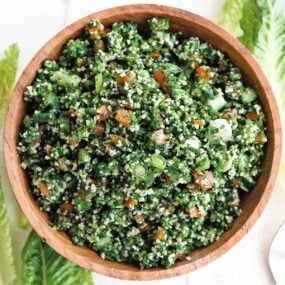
point(269, 46)
point(22, 220)
point(42, 265)
point(8, 70)
point(262, 23)
point(251, 24)
point(232, 11)
point(7, 267)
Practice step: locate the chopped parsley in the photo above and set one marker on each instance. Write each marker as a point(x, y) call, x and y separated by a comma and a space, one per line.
point(139, 146)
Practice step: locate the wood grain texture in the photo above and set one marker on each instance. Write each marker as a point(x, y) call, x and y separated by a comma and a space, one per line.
point(252, 203)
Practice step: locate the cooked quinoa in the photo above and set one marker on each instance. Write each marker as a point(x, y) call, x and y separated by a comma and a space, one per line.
point(138, 146)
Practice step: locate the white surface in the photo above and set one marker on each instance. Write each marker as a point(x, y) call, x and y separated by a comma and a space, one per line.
point(277, 256)
point(31, 23)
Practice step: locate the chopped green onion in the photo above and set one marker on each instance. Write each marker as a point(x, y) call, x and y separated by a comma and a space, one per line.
point(138, 171)
point(159, 24)
point(203, 162)
point(43, 117)
point(83, 156)
point(64, 124)
point(82, 205)
point(98, 83)
point(224, 163)
point(248, 95)
point(158, 161)
point(52, 100)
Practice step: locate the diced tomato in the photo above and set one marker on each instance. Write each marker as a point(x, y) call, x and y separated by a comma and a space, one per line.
point(167, 178)
point(193, 186)
point(159, 137)
point(104, 113)
point(72, 142)
point(107, 148)
point(194, 213)
point(101, 32)
point(203, 72)
point(160, 233)
point(252, 116)
point(138, 218)
point(160, 77)
point(227, 114)
point(81, 62)
point(123, 117)
point(116, 138)
point(180, 256)
point(128, 106)
point(99, 129)
point(43, 189)
point(93, 30)
point(124, 79)
point(130, 202)
point(48, 148)
point(62, 165)
point(236, 183)
point(35, 143)
point(146, 228)
point(260, 138)
point(155, 54)
point(67, 206)
point(204, 179)
point(198, 122)
point(72, 114)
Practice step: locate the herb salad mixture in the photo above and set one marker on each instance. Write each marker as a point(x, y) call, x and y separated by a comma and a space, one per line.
point(138, 146)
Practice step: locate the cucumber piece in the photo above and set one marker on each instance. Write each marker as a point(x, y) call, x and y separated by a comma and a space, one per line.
point(203, 162)
point(51, 100)
point(248, 96)
point(224, 130)
point(193, 143)
point(43, 117)
point(63, 78)
point(138, 171)
point(64, 125)
point(217, 103)
point(225, 163)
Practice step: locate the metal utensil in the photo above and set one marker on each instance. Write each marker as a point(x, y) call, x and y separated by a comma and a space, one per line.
point(277, 256)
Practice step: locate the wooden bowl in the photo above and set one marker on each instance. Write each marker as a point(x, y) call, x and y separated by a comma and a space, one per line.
point(252, 203)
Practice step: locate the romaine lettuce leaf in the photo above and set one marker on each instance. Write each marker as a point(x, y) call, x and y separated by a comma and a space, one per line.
point(262, 24)
point(232, 11)
point(7, 267)
point(42, 265)
point(8, 69)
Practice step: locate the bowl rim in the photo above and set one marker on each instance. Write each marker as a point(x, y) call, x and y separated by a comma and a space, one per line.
point(108, 267)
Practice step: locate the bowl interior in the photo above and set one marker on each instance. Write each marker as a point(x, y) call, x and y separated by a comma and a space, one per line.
point(252, 203)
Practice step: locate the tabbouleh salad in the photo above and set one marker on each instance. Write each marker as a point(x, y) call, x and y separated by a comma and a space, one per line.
point(138, 146)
